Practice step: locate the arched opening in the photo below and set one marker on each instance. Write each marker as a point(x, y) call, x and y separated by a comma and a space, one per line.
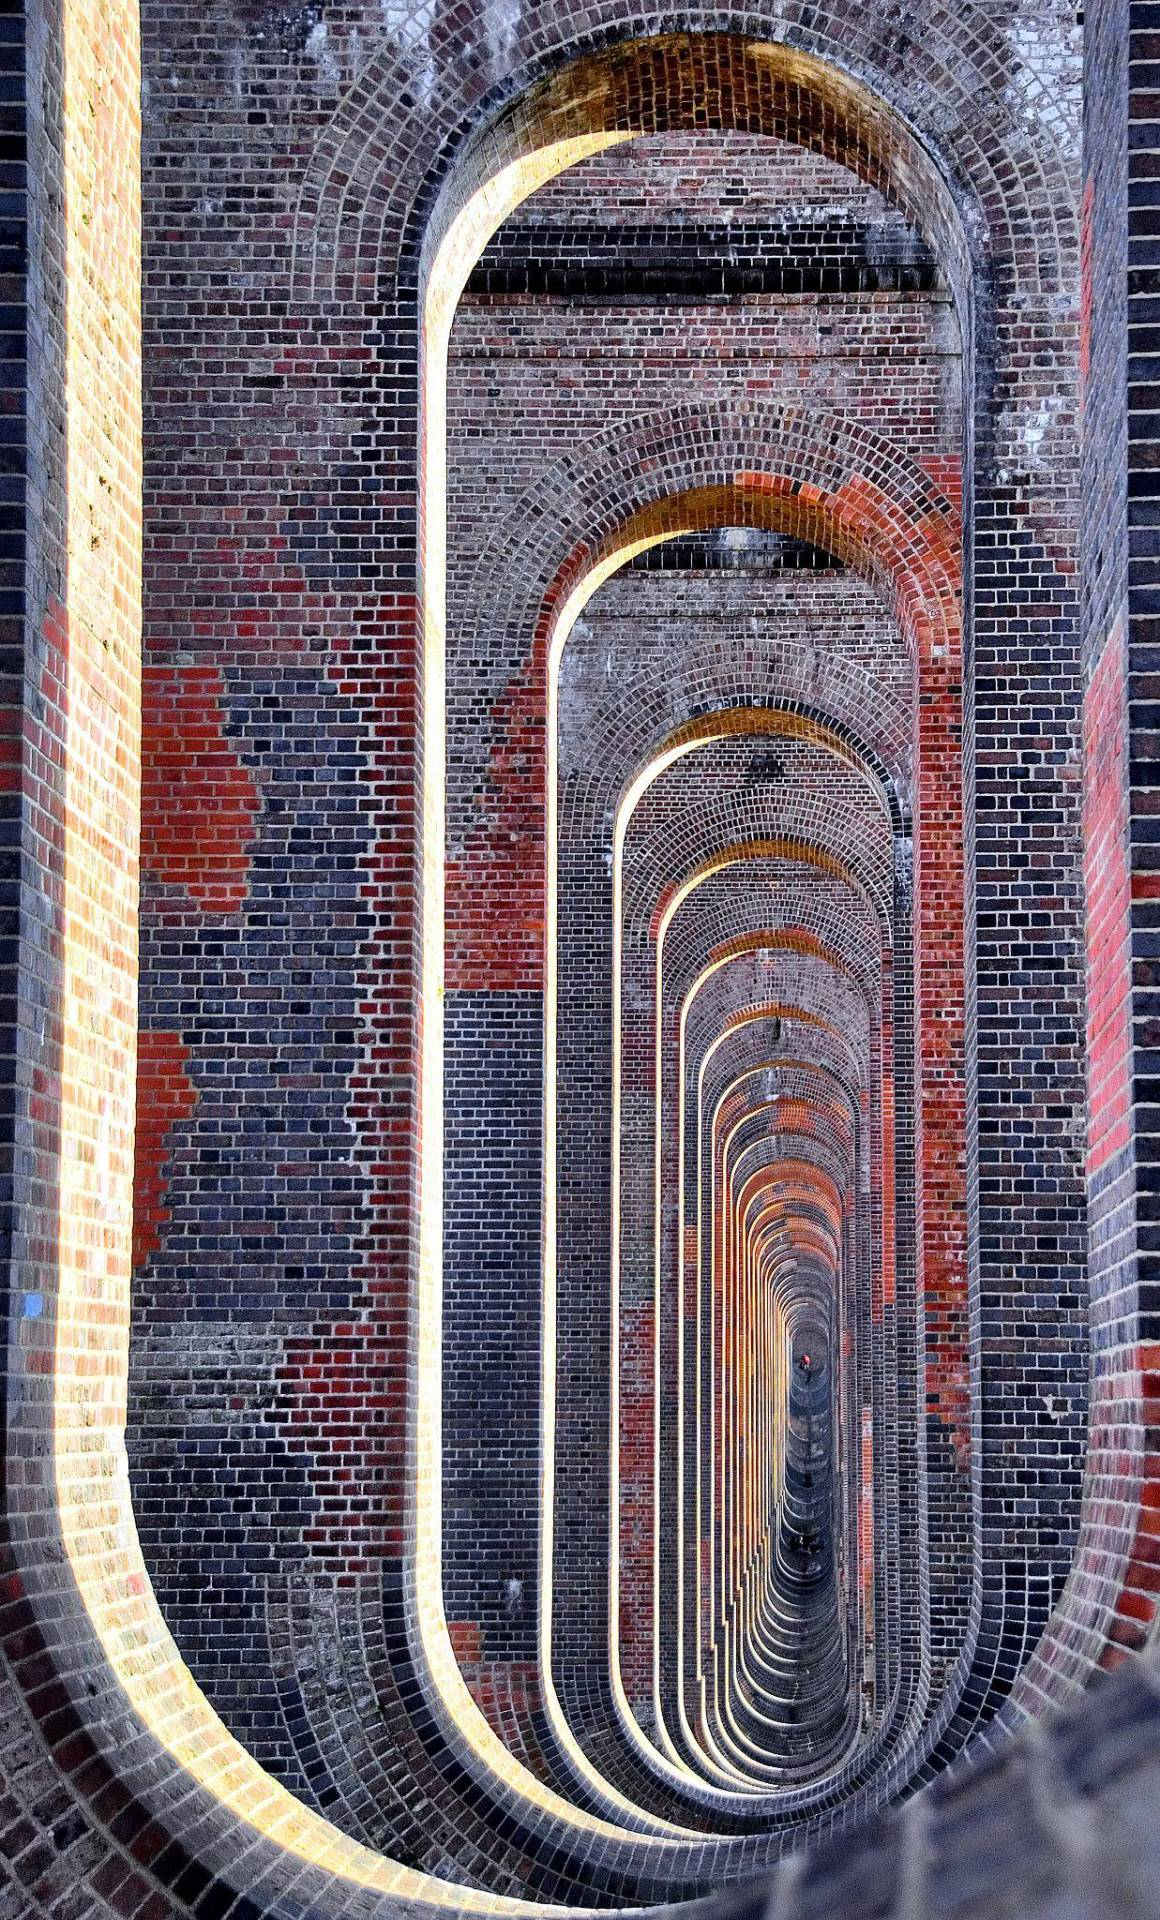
point(753, 88)
point(901, 533)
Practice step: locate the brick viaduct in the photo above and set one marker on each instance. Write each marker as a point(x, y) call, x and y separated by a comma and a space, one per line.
point(580, 949)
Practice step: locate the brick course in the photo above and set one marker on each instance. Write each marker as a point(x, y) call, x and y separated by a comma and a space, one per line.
point(866, 961)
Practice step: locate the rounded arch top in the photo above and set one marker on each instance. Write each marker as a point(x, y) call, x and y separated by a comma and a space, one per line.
point(824, 478)
point(973, 149)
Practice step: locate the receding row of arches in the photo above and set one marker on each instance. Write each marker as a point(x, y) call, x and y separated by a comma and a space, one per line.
point(691, 1450)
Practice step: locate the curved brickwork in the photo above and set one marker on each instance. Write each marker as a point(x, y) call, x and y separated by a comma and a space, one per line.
point(590, 490)
point(580, 1317)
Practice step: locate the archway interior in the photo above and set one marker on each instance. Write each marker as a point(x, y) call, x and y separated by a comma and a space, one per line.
point(681, 780)
point(690, 1553)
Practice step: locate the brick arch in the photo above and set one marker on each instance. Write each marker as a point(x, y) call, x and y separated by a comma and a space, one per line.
point(938, 564)
point(711, 1024)
point(777, 1195)
point(922, 976)
point(808, 733)
point(792, 939)
point(802, 848)
point(816, 994)
point(153, 1764)
point(793, 1181)
point(762, 508)
point(822, 478)
point(794, 1097)
point(884, 903)
point(751, 1020)
point(799, 1091)
point(740, 826)
point(779, 1122)
point(828, 479)
point(842, 83)
point(834, 922)
point(776, 718)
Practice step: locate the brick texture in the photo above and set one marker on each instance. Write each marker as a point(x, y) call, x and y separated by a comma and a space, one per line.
point(577, 796)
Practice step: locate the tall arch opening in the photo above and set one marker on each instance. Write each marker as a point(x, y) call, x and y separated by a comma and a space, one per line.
point(736, 890)
point(893, 521)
